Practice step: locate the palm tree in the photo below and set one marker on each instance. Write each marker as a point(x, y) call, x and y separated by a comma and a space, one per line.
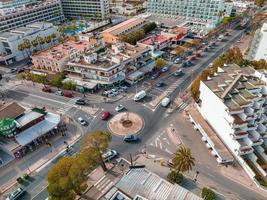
point(34, 42)
point(41, 41)
point(48, 39)
point(183, 160)
point(53, 37)
point(27, 45)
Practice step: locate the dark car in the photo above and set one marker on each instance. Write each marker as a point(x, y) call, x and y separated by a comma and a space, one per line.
point(130, 138)
point(80, 102)
point(179, 72)
point(184, 64)
point(189, 63)
point(68, 94)
point(154, 76)
point(160, 84)
point(46, 89)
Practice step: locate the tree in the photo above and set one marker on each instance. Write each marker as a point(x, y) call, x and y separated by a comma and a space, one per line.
point(99, 142)
point(208, 194)
point(21, 48)
point(259, 64)
point(159, 63)
point(179, 50)
point(183, 160)
point(60, 186)
point(62, 30)
point(259, 3)
point(69, 85)
point(27, 45)
point(57, 80)
point(149, 27)
point(48, 39)
point(41, 41)
point(53, 37)
point(34, 42)
point(175, 177)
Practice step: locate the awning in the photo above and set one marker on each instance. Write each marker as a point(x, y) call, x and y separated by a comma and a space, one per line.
point(39, 129)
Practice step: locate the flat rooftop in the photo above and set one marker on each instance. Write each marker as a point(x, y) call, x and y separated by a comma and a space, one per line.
point(218, 144)
point(121, 27)
point(28, 117)
point(62, 50)
point(98, 65)
point(154, 40)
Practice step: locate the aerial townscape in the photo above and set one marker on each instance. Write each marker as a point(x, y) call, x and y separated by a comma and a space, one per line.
point(133, 100)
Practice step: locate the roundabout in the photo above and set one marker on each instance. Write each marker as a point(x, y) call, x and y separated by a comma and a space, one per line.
point(125, 123)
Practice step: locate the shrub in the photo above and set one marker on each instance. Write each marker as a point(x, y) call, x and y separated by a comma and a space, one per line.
point(175, 177)
point(68, 85)
point(26, 176)
point(208, 194)
point(19, 180)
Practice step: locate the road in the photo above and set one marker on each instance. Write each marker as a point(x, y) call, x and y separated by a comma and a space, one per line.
point(154, 120)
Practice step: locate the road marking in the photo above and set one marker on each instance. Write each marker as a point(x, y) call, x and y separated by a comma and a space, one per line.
point(167, 141)
point(160, 145)
point(168, 151)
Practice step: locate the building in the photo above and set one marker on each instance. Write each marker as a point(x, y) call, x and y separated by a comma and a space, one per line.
point(54, 59)
point(110, 67)
point(12, 17)
point(93, 9)
point(206, 11)
point(13, 3)
point(9, 41)
point(240, 121)
point(142, 184)
point(111, 35)
point(258, 49)
point(127, 7)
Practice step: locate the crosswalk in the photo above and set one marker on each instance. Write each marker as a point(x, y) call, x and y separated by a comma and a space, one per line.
point(173, 87)
point(104, 184)
point(162, 142)
point(68, 105)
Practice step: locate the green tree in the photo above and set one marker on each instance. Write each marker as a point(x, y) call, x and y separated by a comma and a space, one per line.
point(159, 63)
point(21, 48)
point(149, 27)
point(57, 80)
point(208, 194)
point(68, 85)
point(259, 3)
point(53, 37)
point(27, 45)
point(48, 39)
point(98, 141)
point(34, 42)
point(62, 30)
point(41, 41)
point(179, 50)
point(175, 177)
point(183, 160)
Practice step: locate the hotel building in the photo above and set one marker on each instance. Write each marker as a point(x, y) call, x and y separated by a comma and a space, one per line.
point(12, 17)
point(240, 119)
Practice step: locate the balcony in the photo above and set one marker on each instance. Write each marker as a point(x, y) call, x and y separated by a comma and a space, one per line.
point(251, 127)
point(239, 135)
point(244, 150)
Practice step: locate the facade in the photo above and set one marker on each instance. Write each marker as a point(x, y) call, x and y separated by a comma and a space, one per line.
point(111, 35)
point(207, 11)
point(50, 10)
point(14, 3)
point(240, 121)
point(258, 47)
point(10, 40)
point(93, 9)
point(127, 7)
point(54, 59)
point(109, 67)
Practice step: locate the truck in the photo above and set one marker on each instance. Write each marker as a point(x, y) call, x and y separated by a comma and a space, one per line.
point(140, 95)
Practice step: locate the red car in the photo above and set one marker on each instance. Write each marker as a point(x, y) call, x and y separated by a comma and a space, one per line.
point(46, 89)
point(68, 94)
point(105, 115)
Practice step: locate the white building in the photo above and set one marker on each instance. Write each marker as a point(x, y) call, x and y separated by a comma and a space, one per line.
point(203, 11)
point(240, 118)
point(93, 9)
point(258, 48)
point(12, 17)
point(127, 7)
point(9, 41)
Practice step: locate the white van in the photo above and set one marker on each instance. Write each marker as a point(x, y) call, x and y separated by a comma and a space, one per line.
point(140, 95)
point(165, 102)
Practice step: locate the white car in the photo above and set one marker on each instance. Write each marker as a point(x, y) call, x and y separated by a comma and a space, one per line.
point(119, 108)
point(82, 121)
point(164, 69)
point(16, 194)
point(109, 155)
point(165, 102)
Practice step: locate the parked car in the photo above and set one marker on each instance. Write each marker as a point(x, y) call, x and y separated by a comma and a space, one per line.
point(130, 138)
point(119, 108)
point(184, 64)
point(160, 84)
point(46, 89)
point(68, 94)
point(179, 72)
point(13, 70)
point(105, 115)
point(109, 155)
point(59, 92)
point(80, 102)
point(164, 69)
point(178, 60)
point(154, 76)
point(189, 63)
point(124, 87)
point(82, 121)
point(16, 194)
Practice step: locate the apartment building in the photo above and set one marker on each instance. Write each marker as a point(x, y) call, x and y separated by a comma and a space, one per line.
point(93, 9)
point(258, 47)
point(9, 41)
point(14, 3)
point(54, 59)
point(111, 35)
point(204, 11)
point(240, 120)
point(110, 67)
point(50, 11)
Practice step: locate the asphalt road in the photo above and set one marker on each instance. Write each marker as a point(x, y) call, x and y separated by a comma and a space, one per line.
point(153, 120)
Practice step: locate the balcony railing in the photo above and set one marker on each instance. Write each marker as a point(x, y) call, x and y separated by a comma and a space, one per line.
point(239, 135)
point(244, 150)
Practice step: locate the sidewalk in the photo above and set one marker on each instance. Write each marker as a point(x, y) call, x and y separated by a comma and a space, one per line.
point(34, 160)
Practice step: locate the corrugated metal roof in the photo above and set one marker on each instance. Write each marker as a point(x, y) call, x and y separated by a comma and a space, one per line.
point(149, 185)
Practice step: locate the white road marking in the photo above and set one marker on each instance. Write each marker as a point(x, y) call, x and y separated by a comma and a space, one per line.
point(167, 141)
point(168, 151)
point(160, 145)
